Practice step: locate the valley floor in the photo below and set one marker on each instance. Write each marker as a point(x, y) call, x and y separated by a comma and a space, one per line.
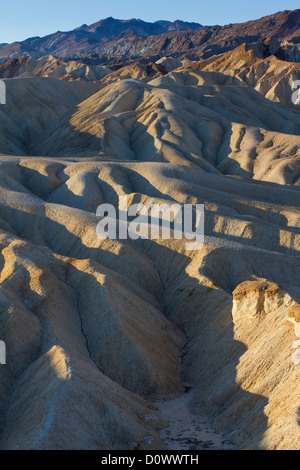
point(186, 430)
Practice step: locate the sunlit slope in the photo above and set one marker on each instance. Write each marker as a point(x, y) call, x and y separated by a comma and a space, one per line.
point(182, 118)
point(251, 65)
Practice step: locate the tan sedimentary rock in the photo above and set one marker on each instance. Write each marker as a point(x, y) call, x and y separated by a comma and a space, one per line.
point(254, 298)
point(247, 65)
point(294, 317)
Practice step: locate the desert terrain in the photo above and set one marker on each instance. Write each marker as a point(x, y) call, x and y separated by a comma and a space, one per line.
point(105, 337)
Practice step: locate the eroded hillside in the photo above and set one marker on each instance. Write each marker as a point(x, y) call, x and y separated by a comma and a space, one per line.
point(100, 331)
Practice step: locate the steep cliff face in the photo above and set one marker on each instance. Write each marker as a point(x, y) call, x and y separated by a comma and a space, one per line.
point(261, 313)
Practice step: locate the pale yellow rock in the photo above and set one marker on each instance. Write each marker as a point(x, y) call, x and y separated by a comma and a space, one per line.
point(255, 298)
point(294, 317)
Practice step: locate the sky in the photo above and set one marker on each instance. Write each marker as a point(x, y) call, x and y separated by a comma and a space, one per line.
point(21, 19)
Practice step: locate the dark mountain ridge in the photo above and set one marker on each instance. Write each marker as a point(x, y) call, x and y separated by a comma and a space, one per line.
point(116, 39)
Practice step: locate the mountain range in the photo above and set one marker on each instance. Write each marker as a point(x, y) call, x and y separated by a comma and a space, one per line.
point(111, 40)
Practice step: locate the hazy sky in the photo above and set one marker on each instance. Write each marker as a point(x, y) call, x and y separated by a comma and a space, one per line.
point(20, 19)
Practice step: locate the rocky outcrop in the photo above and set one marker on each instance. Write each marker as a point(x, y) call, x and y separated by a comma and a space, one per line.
point(294, 317)
point(257, 298)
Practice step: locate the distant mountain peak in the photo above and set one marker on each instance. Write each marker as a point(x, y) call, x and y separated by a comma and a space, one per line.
point(112, 40)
